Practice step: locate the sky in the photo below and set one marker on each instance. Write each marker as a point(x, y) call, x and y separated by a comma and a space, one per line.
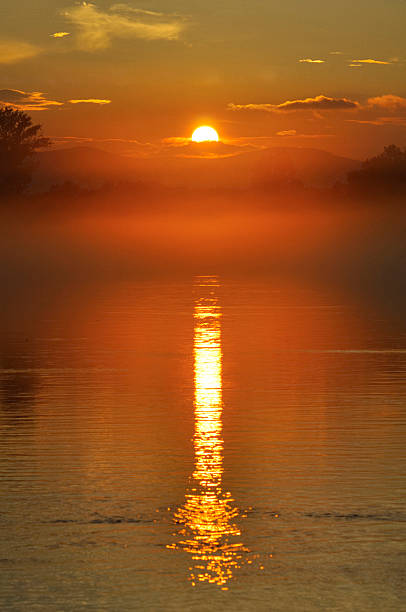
point(140, 76)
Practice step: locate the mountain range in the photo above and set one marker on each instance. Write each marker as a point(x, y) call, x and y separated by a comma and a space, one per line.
point(197, 168)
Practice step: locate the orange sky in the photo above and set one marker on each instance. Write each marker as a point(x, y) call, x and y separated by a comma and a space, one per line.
point(326, 75)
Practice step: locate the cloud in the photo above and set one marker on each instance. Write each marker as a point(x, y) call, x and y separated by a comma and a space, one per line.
point(180, 147)
point(317, 103)
point(26, 101)
point(209, 150)
point(287, 133)
point(90, 101)
point(380, 121)
point(311, 61)
point(383, 110)
point(95, 28)
point(242, 142)
point(399, 121)
point(176, 141)
point(77, 140)
point(123, 146)
point(60, 34)
point(183, 147)
point(388, 102)
point(364, 121)
point(294, 133)
point(369, 61)
point(126, 8)
point(13, 51)
point(35, 100)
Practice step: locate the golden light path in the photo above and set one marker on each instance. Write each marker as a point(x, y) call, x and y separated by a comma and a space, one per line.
point(208, 532)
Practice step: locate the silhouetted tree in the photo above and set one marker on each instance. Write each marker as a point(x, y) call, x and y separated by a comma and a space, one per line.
point(19, 140)
point(384, 174)
point(67, 189)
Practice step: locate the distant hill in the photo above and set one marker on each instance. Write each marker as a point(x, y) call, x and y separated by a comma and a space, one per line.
point(257, 168)
point(91, 167)
point(311, 166)
point(86, 166)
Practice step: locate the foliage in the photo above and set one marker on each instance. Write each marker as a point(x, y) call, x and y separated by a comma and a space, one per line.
point(19, 140)
point(383, 174)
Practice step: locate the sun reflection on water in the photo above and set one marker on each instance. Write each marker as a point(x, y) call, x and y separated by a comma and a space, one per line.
point(207, 516)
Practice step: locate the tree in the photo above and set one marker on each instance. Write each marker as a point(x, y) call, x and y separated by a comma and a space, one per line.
point(19, 140)
point(384, 174)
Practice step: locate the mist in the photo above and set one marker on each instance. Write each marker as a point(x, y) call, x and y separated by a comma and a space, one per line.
point(342, 243)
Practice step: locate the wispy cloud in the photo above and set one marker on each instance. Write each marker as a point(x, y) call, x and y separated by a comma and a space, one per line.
point(75, 140)
point(184, 147)
point(287, 133)
point(318, 103)
point(383, 110)
point(296, 134)
point(370, 61)
point(60, 34)
point(36, 100)
point(27, 101)
point(90, 101)
point(231, 147)
point(126, 8)
point(364, 121)
point(95, 28)
point(388, 102)
point(125, 146)
point(398, 121)
point(13, 51)
point(311, 61)
point(176, 141)
point(381, 121)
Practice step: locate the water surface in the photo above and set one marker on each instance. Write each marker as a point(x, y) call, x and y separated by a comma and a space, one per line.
point(201, 443)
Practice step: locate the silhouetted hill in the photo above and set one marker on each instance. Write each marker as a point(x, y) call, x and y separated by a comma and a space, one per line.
point(86, 166)
point(208, 166)
point(311, 166)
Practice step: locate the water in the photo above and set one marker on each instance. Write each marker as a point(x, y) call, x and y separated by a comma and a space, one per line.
point(201, 443)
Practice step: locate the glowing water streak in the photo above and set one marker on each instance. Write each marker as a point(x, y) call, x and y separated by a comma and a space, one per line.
point(210, 535)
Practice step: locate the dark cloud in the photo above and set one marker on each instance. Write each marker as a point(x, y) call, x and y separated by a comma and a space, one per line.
point(317, 103)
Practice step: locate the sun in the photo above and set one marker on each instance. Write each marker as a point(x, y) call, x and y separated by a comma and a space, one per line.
point(205, 133)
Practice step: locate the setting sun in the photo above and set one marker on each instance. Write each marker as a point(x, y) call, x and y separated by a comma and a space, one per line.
point(205, 133)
